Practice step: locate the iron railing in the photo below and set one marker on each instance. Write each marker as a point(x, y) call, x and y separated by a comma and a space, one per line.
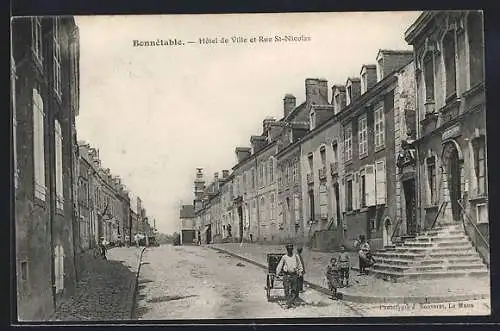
point(441, 208)
point(471, 222)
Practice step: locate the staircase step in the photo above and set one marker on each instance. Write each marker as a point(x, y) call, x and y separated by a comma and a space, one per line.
point(401, 276)
point(454, 243)
point(389, 267)
point(391, 261)
point(406, 256)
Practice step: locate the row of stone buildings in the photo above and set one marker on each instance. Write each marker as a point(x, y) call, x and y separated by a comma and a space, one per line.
point(63, 201)
point(387, 154)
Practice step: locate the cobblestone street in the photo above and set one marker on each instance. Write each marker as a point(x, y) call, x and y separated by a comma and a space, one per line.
point(105, 291)
point(193, 282)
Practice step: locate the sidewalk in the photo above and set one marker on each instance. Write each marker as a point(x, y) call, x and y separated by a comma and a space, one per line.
point(106, 289)
point(368, 289)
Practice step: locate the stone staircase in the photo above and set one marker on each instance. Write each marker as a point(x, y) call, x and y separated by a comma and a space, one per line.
point(444, 251)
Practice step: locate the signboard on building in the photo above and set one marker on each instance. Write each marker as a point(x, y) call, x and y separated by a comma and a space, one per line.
point(452, 132)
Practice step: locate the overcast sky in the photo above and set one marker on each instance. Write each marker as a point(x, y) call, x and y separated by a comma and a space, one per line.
point(157, 113)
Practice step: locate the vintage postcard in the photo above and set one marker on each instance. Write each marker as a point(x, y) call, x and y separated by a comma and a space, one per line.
point(249, 166)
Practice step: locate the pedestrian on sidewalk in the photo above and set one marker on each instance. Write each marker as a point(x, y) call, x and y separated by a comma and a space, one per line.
point(102, 249)
point(345, 266)
point(333, 277)
point(363, 253)
point(292, 268)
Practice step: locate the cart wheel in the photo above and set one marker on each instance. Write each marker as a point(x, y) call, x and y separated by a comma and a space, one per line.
point(268, 288)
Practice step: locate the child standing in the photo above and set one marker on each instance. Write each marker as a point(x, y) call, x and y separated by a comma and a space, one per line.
point(333, 277)
point(344, 265)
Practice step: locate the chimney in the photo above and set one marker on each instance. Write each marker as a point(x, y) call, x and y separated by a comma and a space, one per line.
point(242, 153)
point(275, 130)
point(289, 104)
point(311, 89)
point(338, 98)
point(257, 142)
point(353, 89)
point(389, 61)
point(225, 174)
point(266, 124)
point(323, 91)
point(368, 77)
point(216, 176)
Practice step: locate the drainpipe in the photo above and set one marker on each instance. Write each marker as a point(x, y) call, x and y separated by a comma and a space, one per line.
point(257, 203)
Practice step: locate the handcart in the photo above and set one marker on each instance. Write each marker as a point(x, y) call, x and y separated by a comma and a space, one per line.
point(273, 259)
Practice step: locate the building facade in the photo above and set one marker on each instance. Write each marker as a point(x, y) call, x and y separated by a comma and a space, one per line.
point(451, 163)
point(45, 90)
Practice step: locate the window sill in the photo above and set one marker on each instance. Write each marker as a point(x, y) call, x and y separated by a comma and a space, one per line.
point(363, 209)
point(379, 148)
point(479, 198)
point(59, 211)
point(362, 156)
point(427, 207)
point(348, 162)
point(40, 202)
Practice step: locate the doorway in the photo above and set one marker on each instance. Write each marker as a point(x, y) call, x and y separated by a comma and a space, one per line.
point(209, 234)
point(410, 200)
point(240, 216)
point(387, 232)
point(336, 190)
point(311, 205)
point(453, 177)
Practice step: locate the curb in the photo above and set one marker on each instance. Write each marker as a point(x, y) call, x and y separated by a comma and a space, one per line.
point(133, 287)
point(372, 299)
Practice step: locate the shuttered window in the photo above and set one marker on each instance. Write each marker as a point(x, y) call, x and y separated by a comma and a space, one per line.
point(348, 194)
point(380, 178)
point(362, 189)
point(59, 268)
point(38, 145)
point(323, 201)
point(56, 57)
point(362, 136)
point(348, 144)
point(296, 207)
point(59, 166)
point(370, 185)
point(379, 123)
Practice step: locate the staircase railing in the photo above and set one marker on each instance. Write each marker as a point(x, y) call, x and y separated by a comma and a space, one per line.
point(396, 229)
point(441, 208)
point(476, 229)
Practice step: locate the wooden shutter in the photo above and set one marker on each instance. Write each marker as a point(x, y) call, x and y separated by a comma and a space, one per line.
point(380, 178)
point(370, 186)
point(355, 192)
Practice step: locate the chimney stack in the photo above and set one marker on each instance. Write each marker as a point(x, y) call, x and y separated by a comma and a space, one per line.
point(242, 153)
point(257, 142)
point(225, 174)
point(289, 104)
point(391, 60)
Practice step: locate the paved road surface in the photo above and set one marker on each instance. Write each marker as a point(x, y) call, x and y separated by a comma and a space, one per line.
point(193, 282)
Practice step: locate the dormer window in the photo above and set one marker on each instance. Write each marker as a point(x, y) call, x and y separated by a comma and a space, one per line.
point(312, 122)
point(336, 100)
point(380, 66)
point(364, 81)
point(349, 94)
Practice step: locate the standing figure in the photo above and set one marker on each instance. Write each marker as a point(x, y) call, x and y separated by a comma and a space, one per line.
point(345, 266)
point(292, 268)
point(301, 277)
point(333, 277)
point(102, 250)
point(364, 258)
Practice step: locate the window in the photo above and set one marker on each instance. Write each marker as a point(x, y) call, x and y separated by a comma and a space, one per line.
point(337, 103)
point(296, 207)
point(262, 209)
point(295, 171)
point(253, 178)
point(323, 201)
point(362, 136)
point(322, 153)
point(349, 94)
point(380, 182)
point(273, 207)
point(36, 39)
point(429, 77)
point(348, 144)
point(261, 174)
point(244, 182)
point(38, 145)
point(56, 57)
point(431, 177)
point(24, 271)
point(59, 268)
point(482, 213)
point(312, 120)
point(476, 47)
point(449, 63)
point(59, 166)
point(480, 165)
point(335, 155)
point(362, 188)
point(379, 127)
point(310, 160)
point(349, 194)
point(271, 170)
point(364, 83)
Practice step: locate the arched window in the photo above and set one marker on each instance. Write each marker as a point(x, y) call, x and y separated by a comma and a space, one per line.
point(476, 47)
point(449, 51)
